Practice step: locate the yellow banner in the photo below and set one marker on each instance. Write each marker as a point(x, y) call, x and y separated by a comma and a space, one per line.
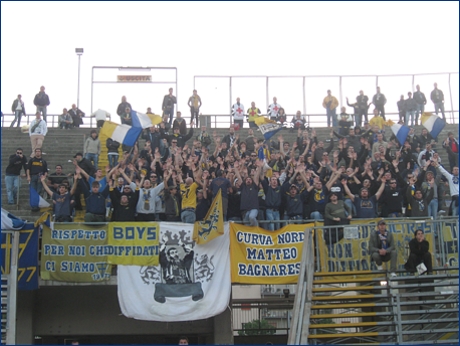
point(133, 243)
point(259, 256)
point(450, 241)
point(352, 252)
point(74, 255)
point(213, 224)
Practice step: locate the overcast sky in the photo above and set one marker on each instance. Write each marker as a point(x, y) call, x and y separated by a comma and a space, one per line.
point(38, 41)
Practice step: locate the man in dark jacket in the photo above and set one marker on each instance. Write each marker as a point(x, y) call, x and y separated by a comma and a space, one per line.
point(153, 135)
point(411, 107)
point(420, 98)
point(19, 110)
point(36, 167)
point(402, 109)
point(13, 171)
point(230, 138)
point(437, 96)
point(379, 101)
point(123, 105)
point(76, 115)
point(362, 107)
point(88, 167)
point(168, 106)
point(181, 140)
point(42, 101)
point(123, 203)
point(95, 201)
point(84, 164)
point(419, 253)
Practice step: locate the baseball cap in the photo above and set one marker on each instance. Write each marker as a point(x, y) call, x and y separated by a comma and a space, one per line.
point(382, 222)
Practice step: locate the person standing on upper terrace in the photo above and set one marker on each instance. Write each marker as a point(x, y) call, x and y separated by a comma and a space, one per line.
point(379, 100)
point(194, 102)
point(122, 107)
point(42, 101)
point(253, 113)
point(169, 101)
point(362, 107)
point(273, 109)
point(238, 113)
point(331, 103)
point(437, 96)
point(420, 98)
point(19, 110)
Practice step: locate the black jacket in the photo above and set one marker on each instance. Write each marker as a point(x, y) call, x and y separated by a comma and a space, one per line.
point(112, 146)
point(15, 165)
point(87, 166)
point(41, 99)
point(181, 140)
point(122, 106)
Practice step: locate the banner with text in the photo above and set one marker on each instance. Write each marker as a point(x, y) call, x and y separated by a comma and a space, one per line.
point(73, 254)
point(352, 252)
point(259, 256)
point(133, 243)
point(192, 281)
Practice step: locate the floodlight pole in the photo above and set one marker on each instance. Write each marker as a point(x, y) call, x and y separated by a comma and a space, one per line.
point(79, 52)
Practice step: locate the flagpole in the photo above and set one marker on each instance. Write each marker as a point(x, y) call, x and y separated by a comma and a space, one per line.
point(12, 291)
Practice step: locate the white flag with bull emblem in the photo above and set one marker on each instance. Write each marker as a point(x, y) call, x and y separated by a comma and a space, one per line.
point(192, 281)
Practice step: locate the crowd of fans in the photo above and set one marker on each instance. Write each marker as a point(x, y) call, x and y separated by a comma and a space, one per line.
point(358, 172)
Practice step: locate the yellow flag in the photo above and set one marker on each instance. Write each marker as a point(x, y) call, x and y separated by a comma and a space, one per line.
point(213, 225)
point(156, 119)
point(42, 219)
point(262, 120)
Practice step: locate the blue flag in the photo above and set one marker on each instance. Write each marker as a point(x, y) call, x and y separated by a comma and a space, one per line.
point(28, 256)
point(37, 201)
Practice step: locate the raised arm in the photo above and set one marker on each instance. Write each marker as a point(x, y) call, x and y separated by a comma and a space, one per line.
point(128, 179)
point(47, 189)
point(332, 180)
point(347, 190)
point(381, 188)
point(260, 164)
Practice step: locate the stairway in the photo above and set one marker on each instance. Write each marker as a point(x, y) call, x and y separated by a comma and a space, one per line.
point(352, 308)
point(409, 309)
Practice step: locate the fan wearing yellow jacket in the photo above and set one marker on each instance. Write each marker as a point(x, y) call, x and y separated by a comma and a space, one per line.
point(253, 113)
point(331, 103)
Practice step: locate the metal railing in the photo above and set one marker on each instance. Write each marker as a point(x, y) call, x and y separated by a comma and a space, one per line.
point(215, 120)
point(305, 93)
point(52, 120)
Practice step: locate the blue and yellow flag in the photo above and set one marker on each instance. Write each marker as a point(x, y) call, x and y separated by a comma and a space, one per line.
point(432, 123)
point(213, 225)
point(267, 127)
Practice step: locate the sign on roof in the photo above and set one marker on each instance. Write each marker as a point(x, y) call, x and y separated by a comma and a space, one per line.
point(134, 79)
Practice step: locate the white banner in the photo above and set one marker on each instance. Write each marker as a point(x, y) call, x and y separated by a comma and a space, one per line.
point(192, 282)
